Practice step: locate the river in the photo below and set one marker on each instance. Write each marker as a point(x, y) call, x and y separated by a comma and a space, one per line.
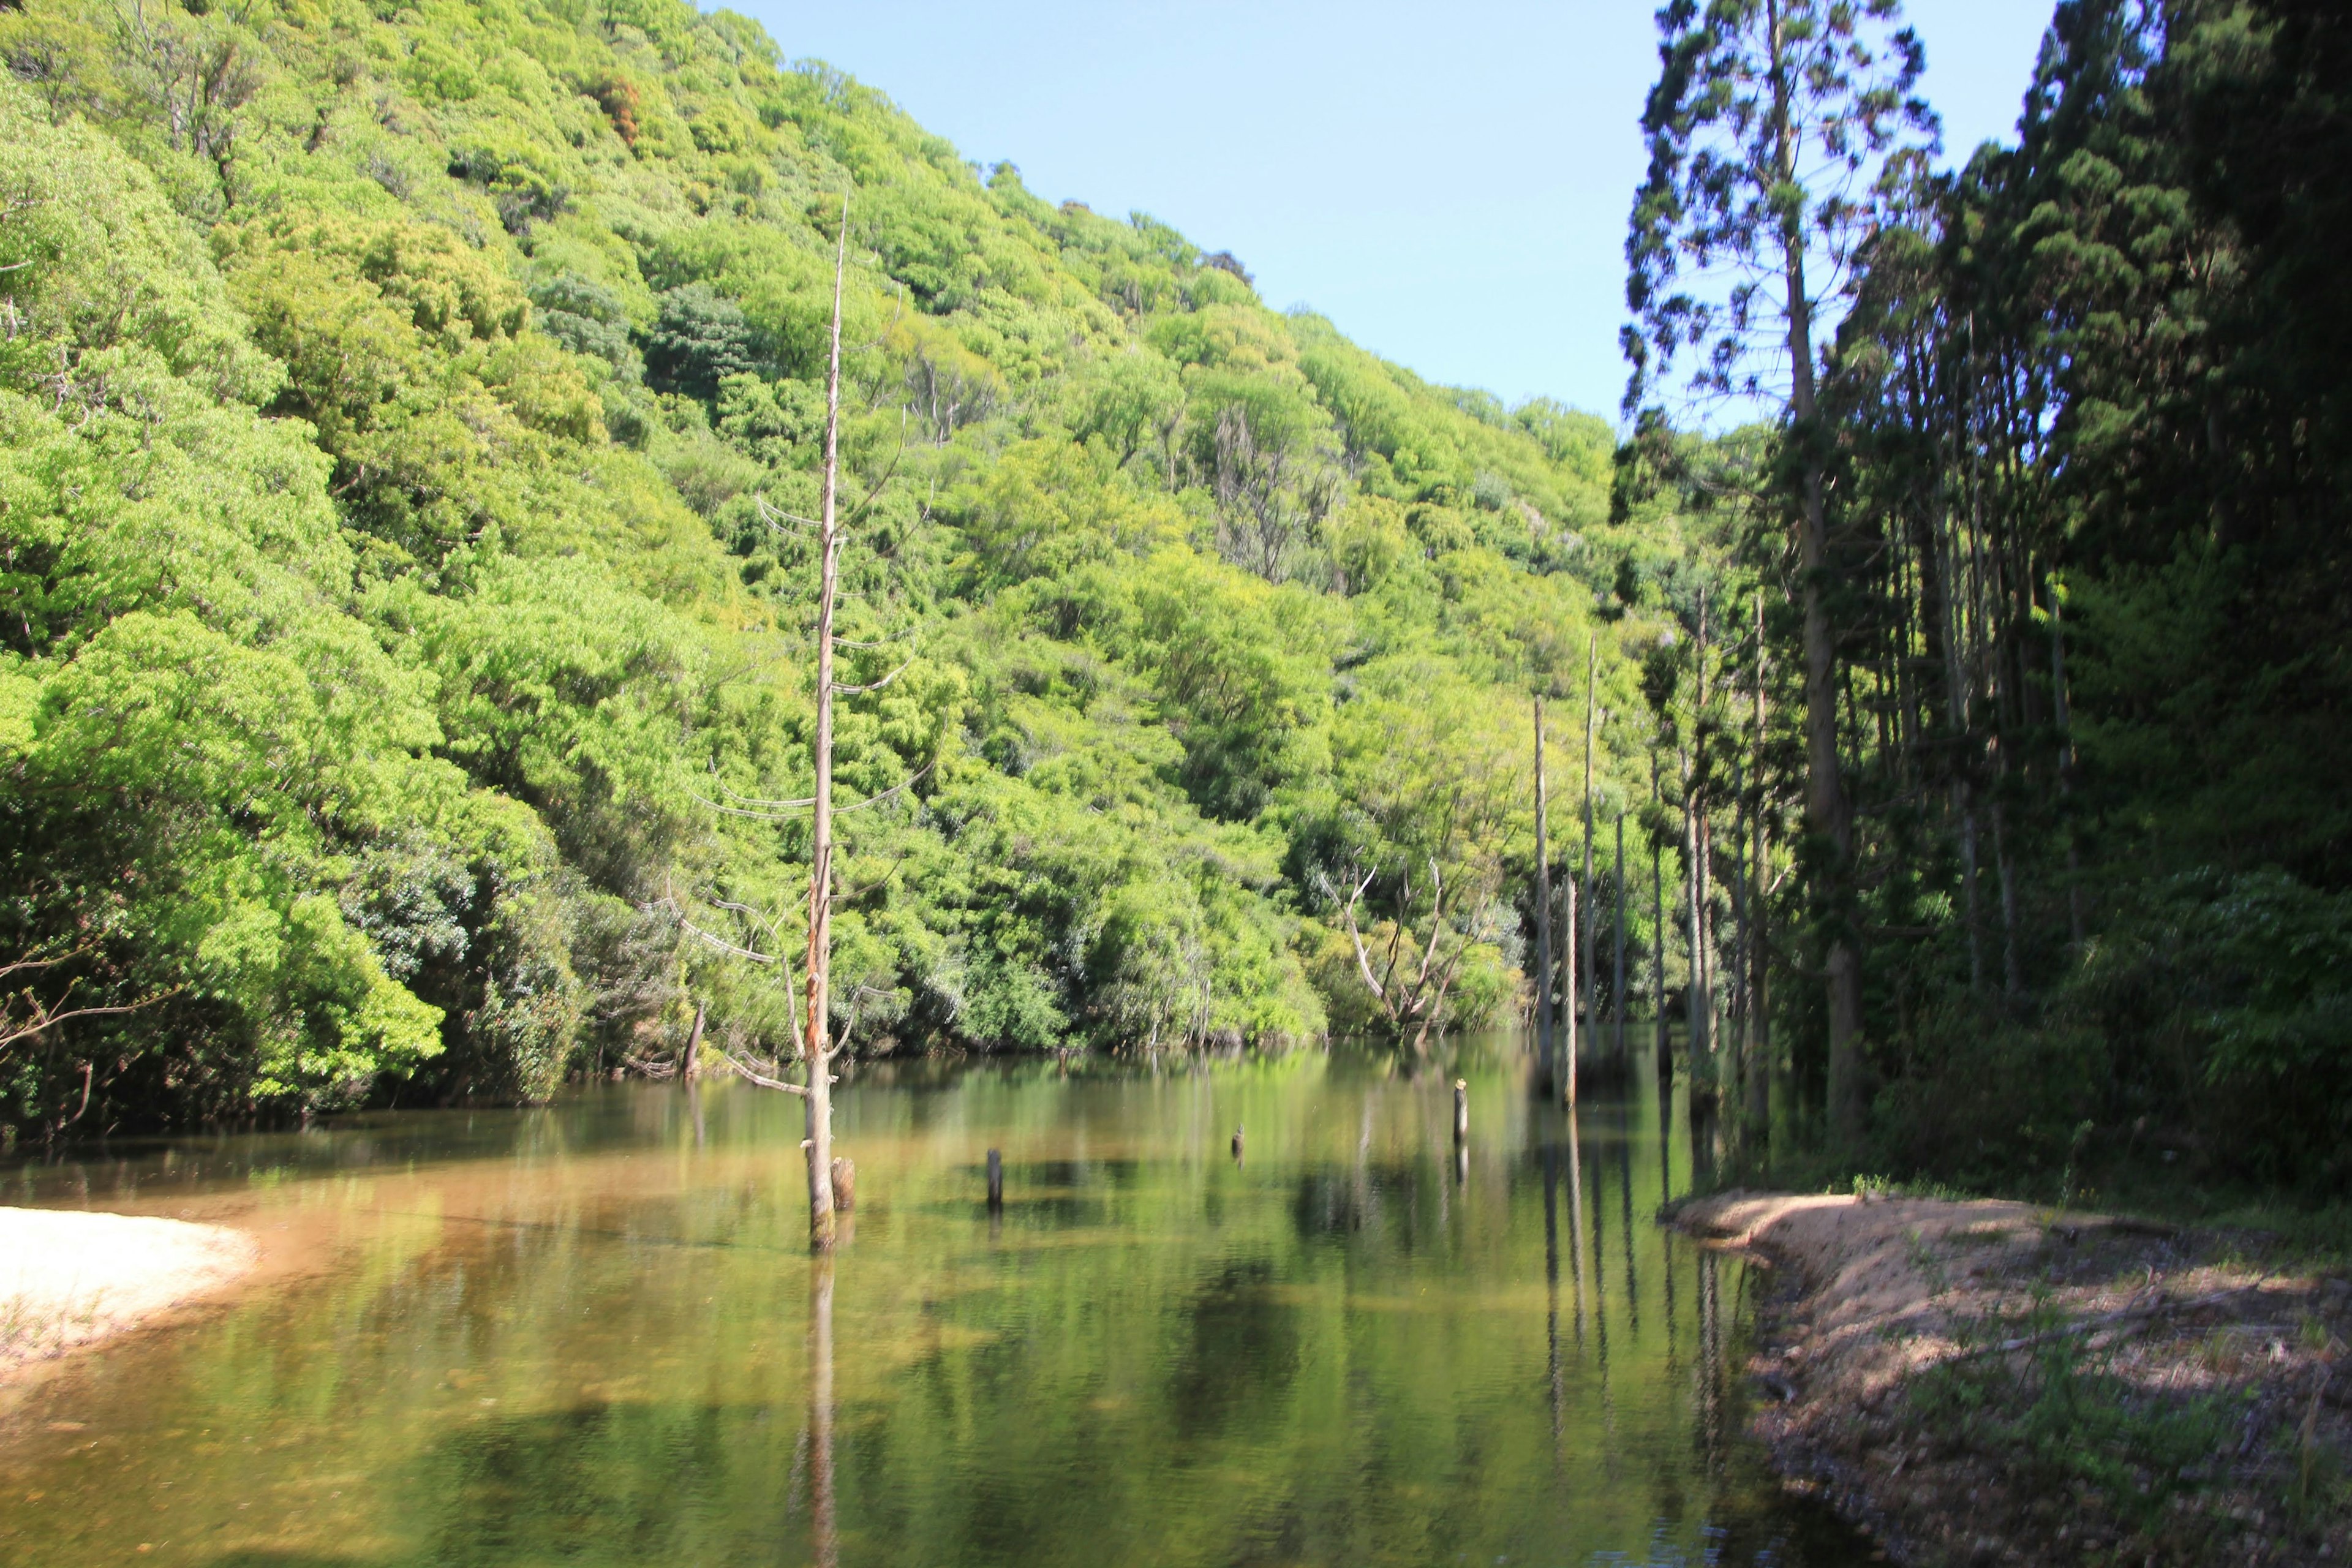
point(592, 1333)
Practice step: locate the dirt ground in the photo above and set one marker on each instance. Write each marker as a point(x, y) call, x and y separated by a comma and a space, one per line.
point(1989, 1383)
point(70, 1279)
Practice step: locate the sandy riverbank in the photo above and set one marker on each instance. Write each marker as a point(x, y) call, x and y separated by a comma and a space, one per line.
point(1989, 1382)
point(69, 1278)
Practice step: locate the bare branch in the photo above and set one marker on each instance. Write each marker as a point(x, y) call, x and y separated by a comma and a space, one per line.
point(752, 1076)
point(876, 685)
point(43, 1020)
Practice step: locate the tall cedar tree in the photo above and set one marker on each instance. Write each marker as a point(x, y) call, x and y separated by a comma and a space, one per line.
point(1769, 128)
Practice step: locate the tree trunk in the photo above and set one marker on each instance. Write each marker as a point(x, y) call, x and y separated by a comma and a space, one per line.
point(693, 1047)
point(2065, 717)
point(1705, 1039)
point(1590, 989)
point(1695, 1037)
point(1658, 935)
point(1827, 815)
point(1568, 998)
point(2012, 971)
point(1617, 972)
point(1543, 911)
point(1737, 1060)
point(1759, 1017)
point(819, 1034)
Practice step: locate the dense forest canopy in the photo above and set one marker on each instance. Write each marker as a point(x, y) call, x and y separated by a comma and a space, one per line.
point(411, 412)
point(412, 415)
point(2050, 585)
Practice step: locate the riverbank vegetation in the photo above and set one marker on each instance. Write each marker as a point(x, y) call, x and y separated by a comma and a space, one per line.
point(412, 417)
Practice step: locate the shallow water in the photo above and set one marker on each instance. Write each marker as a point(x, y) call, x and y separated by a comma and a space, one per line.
point(593, 1334)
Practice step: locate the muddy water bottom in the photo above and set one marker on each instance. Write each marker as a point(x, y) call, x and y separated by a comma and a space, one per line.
point(593, 1334)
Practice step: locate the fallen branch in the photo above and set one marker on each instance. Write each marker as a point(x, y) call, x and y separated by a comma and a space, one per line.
point(762, 1079)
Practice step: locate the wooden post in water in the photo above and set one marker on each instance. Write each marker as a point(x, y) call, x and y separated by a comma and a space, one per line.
point(845, 1185)
point(995, 1180)
point(1460, 1110)
point(1543, 912)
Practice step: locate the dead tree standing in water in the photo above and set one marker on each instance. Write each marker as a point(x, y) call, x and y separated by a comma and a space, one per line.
point(1543, 910)
point(819, 1033)
point(1591, 990)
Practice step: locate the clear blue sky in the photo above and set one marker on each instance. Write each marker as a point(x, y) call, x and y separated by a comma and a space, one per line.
point(1448, 183)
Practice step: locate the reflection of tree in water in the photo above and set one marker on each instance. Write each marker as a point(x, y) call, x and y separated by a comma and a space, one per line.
point(1710, 1363)
point(575, 1483)
point(1551, 1296)
point(1241, 1351)
point(821, 1524)
point(1625, 1186)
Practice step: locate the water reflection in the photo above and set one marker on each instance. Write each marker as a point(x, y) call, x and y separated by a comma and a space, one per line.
point(824, 1528)
point(594, 1334)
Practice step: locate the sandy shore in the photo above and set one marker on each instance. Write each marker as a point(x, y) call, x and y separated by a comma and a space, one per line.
point(70, 1279)
point(1989, 1383)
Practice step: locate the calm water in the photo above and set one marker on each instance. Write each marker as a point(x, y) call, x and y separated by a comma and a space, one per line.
point(593, 1334)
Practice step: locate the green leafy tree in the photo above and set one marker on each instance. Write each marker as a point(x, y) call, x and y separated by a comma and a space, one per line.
point(1770, 124)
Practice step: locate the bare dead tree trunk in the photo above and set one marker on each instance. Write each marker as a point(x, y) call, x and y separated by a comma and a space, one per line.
point(1617, 974)
point(1543, 909)
point(819, 1033)
point(1591, 697)
point(1568, 998)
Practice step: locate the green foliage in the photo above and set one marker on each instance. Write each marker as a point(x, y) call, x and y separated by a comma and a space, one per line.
point(405, 618)
point(2079, 577)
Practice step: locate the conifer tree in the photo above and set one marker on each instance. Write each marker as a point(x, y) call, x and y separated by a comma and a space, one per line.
point(1768, 129)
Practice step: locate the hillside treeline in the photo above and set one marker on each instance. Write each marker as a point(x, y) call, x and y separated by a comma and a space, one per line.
point(404, 602)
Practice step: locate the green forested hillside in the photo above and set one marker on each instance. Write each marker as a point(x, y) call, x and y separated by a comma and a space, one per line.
point(403, 615)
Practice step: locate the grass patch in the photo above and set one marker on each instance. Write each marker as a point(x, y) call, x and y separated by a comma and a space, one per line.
point(2056, 1414)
